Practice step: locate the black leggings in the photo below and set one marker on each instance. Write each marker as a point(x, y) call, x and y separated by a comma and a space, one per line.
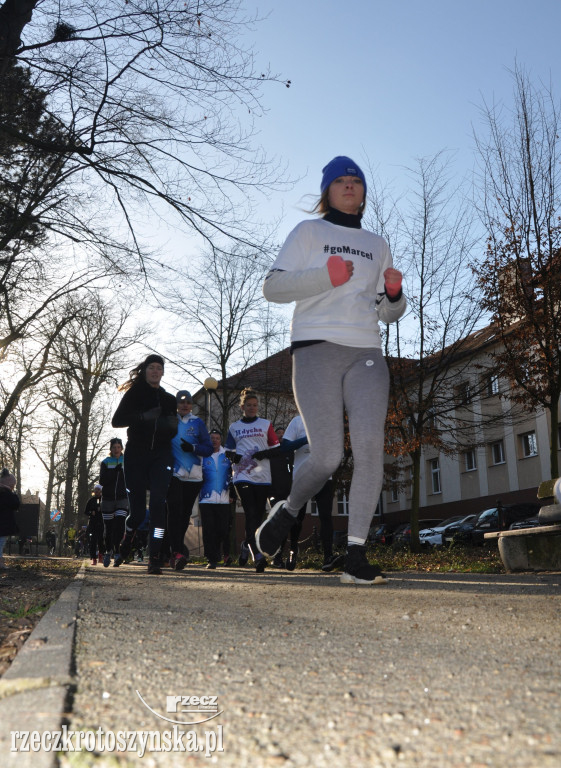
point(215, 519)
point(324, 502)
point(254, 500)
point(95, 534)
point(148, 470)
point(180, 501)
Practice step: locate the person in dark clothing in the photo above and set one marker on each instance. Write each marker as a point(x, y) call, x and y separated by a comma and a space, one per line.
point(95, 524)
point(9, 505)
point(50, 538)
point(114, 502)
point(150, 413)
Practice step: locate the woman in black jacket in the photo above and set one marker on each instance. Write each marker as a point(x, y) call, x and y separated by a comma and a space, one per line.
point(9, 504)
point(114, 502)
point(149, 412)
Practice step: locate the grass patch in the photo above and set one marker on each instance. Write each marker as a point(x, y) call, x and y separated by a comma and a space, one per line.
point(455, 559)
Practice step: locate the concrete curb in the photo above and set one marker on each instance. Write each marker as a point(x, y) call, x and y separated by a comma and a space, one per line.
point(34, 691)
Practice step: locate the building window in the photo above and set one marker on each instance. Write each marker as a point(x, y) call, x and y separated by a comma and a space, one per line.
point(498, 452)
point(529, 444)
point(493, 385)
point(434, 467)
point(342, 502)
point(464, 394)
point(394, 493)
point(470, 460)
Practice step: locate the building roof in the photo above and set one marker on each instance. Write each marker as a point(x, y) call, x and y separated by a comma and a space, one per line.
point(273, 374)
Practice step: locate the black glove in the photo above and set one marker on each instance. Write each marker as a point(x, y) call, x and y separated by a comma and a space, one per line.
point(234, 457)
point(187, 447)
point(152, 414)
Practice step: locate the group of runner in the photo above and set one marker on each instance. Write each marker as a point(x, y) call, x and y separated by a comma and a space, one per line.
point(344, 283)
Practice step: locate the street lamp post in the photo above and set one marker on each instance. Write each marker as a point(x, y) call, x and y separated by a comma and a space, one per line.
point(210, 385)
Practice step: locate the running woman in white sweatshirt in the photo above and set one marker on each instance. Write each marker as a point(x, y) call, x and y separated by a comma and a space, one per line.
point(343, 282)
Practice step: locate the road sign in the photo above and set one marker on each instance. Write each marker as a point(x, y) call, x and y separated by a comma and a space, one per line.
point(55, 515)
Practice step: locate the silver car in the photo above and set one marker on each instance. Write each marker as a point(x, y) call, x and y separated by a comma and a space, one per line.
point(435, 537)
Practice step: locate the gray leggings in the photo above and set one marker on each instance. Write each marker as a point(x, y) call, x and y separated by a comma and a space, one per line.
point(327, 377)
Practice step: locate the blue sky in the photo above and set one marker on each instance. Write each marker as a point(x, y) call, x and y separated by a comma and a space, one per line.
point(391, 81)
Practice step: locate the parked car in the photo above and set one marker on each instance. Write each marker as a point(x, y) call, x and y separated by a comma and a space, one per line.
point(434, 536)
point(460, 532)
point(402, 535)
point(450, 530)
point(488, 522)
point(380, 534)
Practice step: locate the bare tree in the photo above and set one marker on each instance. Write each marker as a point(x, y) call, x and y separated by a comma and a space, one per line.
point(150, 110)
point(431, 235)
point(520, 278)
point(90, 355)
point(223, 322)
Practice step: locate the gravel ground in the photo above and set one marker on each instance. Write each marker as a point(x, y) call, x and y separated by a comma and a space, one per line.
point(430, 670)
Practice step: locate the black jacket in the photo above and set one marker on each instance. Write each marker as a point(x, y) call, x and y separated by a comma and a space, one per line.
point(112, 478)
point(93, 510)
point(9, 504)
point(146, 430)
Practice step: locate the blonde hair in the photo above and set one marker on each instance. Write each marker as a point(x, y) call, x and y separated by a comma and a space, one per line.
point(247, 394)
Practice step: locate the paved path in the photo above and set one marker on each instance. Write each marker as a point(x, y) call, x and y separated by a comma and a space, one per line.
point(430, 670)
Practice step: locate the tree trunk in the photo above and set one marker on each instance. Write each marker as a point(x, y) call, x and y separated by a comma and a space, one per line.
point(83, 481)
point(69, 514)
point(14, 15)
point(554, 439)
point(415, 500)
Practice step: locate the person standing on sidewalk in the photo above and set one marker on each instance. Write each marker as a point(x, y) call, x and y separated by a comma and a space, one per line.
point(9, 505)
point(337, 355)
point(252, 477)
point(190, 445)
point(114, 502)
point(94, 532)
point(214, 500)
point(150, 413)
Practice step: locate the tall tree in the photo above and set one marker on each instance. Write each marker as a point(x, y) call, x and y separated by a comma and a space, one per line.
point(520, 277)
point(431, 235)
point(89, 355)
point(152, 106)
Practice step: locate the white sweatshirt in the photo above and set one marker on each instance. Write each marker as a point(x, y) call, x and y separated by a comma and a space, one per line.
point(348, 314)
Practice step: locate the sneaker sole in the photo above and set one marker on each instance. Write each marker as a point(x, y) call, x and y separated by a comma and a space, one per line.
point(348, 578)
point(273, 512)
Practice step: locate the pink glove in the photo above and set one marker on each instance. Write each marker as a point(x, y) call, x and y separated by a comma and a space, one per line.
point(393, 279)
point(340, 271)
